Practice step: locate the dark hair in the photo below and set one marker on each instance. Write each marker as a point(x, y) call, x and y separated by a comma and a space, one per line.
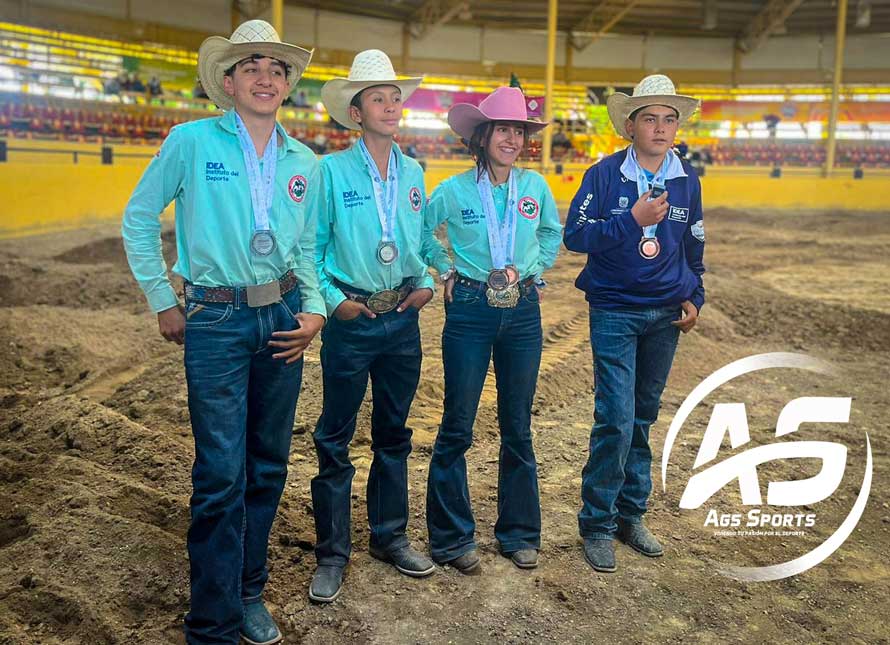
point(479, 142)
point(633, 115)
point(256, 57)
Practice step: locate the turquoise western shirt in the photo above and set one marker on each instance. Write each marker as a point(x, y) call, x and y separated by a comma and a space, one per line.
point(349, 229)
point(201, 166)
point(538, 229)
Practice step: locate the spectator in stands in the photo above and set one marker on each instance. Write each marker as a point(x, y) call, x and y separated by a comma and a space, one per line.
point(112, 86)
point(198, 91)
point(154, 86)
point(136, 84)
point(644, 286)
point(124, 80)
point(682, 150)
point(246, 250)
point(301, 100)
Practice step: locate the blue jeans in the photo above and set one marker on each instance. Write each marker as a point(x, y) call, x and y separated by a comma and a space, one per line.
point(632, 354)
point(386, 348)
point(241, 403)
point(474, 331)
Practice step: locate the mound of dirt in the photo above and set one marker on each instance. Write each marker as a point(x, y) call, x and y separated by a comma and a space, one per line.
point(96, 452)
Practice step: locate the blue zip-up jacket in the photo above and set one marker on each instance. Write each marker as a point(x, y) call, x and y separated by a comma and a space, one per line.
point(600, 224)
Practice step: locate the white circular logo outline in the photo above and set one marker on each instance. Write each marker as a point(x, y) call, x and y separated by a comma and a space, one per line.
point(726, 374)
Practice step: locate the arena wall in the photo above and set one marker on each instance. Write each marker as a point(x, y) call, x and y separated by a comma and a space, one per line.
point(59, 195)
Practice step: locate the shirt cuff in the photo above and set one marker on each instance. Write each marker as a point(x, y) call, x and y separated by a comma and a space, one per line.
point(425, 282)
point(162, 299)
point(334, 301)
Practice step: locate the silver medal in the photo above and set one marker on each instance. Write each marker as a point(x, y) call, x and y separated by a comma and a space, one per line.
point(262, 242)
point(387, 252)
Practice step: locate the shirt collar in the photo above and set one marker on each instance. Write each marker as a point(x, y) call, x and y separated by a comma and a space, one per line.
point(360, 158)
point(674, 170)
point(228, 123)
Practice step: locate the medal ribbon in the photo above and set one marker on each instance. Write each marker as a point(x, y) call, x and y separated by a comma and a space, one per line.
point(501, 231)
point(262, 184)
point(385, 192)
point(643, 183)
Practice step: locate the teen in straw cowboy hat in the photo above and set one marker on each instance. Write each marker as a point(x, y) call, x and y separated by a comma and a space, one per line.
point(638, 216)
point(504, 230)
point(374, 283)
point(247, 200)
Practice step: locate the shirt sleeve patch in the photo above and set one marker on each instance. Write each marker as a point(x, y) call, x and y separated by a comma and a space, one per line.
point(698, 231)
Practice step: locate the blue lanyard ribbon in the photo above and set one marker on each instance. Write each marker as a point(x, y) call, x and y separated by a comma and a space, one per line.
point(262, 182)
point(643, 183)
point(386, 192)
point(501, 231)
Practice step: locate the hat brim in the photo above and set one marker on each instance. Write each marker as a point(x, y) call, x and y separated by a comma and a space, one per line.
point(217, 54)
point(621, 106)
point(464, 118)
point(338, 93)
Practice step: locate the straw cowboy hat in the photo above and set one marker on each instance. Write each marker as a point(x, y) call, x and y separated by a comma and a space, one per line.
point(217, 54)
point(369, 68)
point(656, 89)
point(504, 104)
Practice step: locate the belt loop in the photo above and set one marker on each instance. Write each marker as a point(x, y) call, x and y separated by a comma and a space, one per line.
point(237, 297)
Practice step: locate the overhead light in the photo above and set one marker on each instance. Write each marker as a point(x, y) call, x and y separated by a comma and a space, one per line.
point(863, 14)
point(709, 15)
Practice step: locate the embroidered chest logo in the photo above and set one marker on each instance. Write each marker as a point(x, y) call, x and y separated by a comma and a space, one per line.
point(679, 214)
point(623, 202)
point(469, 216)
point(528, 207)
point(296, 188)
point(415, 197)
point(216, 171)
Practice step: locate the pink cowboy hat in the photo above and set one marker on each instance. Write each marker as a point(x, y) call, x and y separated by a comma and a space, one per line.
point(504, 104)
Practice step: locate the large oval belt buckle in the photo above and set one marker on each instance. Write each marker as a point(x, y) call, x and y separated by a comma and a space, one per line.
point(382, 302)
point(503, 298)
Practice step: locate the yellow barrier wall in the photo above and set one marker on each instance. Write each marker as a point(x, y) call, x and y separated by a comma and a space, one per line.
point(51, 196)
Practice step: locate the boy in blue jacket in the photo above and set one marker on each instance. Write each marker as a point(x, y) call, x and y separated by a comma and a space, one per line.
point(638, 217)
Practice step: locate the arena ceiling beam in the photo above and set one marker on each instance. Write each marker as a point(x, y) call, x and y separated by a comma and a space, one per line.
point(771, 18)
point(434, 13)
point(603, 17)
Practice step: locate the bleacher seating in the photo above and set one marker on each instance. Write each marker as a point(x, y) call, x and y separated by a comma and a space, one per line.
point(801, 154)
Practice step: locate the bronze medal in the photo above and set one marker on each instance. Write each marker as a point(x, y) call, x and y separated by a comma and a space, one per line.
point(649, 247)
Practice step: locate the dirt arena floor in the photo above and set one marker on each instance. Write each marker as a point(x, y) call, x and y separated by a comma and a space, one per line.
point(95, 457)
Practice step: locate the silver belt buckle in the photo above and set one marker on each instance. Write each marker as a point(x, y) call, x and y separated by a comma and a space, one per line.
point(263, 294)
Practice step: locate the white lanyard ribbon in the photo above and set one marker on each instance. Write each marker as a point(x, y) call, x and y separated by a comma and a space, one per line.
point(501, 232)
point(262, 183)
point(386, 192)
point(643, 183)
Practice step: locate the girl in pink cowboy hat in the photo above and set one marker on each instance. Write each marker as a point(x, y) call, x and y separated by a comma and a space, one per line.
point(505, 232)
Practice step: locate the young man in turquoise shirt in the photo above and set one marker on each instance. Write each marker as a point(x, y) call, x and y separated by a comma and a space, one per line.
point(374, 282)
point(247, 201)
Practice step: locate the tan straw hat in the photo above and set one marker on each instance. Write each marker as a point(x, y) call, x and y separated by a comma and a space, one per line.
point(369, 68)
point(217, 54)
point(656, 89)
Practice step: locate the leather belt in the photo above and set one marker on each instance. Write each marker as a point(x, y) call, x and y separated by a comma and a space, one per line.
point(229, 295)
point(525, 286)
